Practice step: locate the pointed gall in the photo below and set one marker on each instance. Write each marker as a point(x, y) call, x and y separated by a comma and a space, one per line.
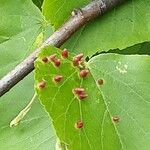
point(52, 57)
point(58, 78)
point(79, 56)
point(41, 85)
point(82, 96)
point(84, 73)
point(100, 81)
point(79, 125)
point(64, 53)
point(78, 90)
point(44, 59)
point(116, 119)
point(57, 62)
point(75, 61)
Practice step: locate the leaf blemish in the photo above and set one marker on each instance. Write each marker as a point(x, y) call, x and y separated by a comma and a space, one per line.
point(100, 81)
point(122, 68)
point(115, 119)
point(45, 60)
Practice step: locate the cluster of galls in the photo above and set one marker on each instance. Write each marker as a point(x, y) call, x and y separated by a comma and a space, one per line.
point(55, 60)
point(52, 58)
point(77, 61)
point(80, 93)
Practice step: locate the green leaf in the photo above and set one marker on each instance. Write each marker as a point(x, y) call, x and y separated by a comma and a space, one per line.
point(66, 109)
point(16, 25)
point(34, 131)
point(57, 12)
point(22, 29)
point(126, 95)
point(122, 27)
point(123, 95)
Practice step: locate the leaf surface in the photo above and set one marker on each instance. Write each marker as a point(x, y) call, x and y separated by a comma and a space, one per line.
point(22, 29)
point(115, 114)
point(35, 130)
point(122, 27)
point(16, 25)
point(58, 11)
point(125, 93)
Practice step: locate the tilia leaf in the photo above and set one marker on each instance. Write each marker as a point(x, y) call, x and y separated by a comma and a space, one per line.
point(113, 115)
point(124, 26)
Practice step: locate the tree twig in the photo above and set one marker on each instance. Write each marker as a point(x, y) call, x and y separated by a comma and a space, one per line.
point(79, 18)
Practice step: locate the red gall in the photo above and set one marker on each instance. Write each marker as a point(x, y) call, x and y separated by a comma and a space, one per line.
point(64, 53)
point(79, 90)
point(75, 61)
point(57, 62)
point(58, 78)
point(79, 125)
point(41, 84)
point(83, 96)
point(115, 119)
point(79, 56)
point(52, 57)
point(84, 73)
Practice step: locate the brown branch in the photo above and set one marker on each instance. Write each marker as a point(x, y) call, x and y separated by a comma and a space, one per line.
point(79, 18)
